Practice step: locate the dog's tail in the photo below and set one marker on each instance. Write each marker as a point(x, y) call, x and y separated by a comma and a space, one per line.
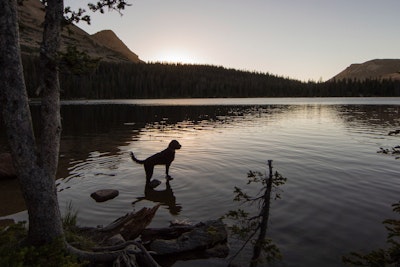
point(135, 159)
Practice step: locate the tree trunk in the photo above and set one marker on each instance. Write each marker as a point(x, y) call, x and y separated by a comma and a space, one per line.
point(50, 85)
point(35, 171)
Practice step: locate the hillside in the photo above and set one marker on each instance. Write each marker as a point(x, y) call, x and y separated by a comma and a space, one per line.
point(381, 69)
point(105, 44)
point(111, 40)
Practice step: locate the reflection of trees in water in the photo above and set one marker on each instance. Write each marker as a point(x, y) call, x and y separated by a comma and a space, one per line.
point(96, 127)
point(129, 120)
point(369, 115)
point(106, 128)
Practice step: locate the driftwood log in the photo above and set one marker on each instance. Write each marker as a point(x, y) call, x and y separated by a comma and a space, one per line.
point(128, 252)
point(129, 226)
point(126, 255)
point(173, 240)
point(179, 239)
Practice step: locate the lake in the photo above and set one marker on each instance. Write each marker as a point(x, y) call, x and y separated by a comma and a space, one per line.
point(338, 189)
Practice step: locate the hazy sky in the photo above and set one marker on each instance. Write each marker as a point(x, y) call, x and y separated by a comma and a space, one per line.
point(301, 39)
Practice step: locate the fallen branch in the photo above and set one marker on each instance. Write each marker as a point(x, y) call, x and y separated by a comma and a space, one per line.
point(129, 226)
point(176, 239)
point(111, 256)
point(93, 256)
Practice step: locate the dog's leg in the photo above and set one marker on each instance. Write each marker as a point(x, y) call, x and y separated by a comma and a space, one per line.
point(167, 171)
point(149, 168)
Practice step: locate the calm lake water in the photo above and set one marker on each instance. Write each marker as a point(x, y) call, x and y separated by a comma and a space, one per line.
point(339, 189)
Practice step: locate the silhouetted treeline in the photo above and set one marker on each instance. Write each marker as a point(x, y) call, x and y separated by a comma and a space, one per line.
point(156, 80)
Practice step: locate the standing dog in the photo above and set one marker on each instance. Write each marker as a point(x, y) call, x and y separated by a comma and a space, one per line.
point(164, 157)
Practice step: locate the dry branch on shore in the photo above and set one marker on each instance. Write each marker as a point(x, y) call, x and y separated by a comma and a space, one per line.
point(117, 244)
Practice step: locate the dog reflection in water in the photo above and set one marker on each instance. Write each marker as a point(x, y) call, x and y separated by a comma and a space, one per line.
point(165, 197)
point(164, 157)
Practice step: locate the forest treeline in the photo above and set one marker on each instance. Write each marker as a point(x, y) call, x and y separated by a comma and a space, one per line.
point(160, 80)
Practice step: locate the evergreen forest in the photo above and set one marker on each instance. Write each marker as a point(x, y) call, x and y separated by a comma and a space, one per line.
point(104, 80)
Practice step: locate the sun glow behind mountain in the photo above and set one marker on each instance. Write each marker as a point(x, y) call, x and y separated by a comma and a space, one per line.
point(177, 56)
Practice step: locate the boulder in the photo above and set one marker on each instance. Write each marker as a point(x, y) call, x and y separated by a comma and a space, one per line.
point(202, 236)
point(104, 194)
point(6, 166)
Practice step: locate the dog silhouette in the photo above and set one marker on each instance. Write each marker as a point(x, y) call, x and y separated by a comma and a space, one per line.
point(164, 157)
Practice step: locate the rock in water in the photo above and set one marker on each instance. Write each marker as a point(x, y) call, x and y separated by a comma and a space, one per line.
point(104, 194)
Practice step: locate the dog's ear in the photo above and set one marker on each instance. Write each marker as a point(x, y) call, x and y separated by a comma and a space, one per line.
point(174, 144)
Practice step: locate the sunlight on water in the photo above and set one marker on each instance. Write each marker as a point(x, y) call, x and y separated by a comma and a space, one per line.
point(338, 192)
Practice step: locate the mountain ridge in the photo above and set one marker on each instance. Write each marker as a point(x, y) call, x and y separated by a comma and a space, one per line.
point(111, 40)
point(104, 44)
point(107, 46)
point(379, 69)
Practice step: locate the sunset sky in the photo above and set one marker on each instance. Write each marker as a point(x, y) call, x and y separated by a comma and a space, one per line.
point(300, 39)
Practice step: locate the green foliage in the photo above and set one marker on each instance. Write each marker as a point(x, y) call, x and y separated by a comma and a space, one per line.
point(246, 225)
point(15, 252)
point(117, 5)
point(70, 217)
point(272, 251)
point(76, 62)
point(258, 177)
point(71, 231)
point(381, 257)
point(72, 16)
point(10, 243)
point(377, 258)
